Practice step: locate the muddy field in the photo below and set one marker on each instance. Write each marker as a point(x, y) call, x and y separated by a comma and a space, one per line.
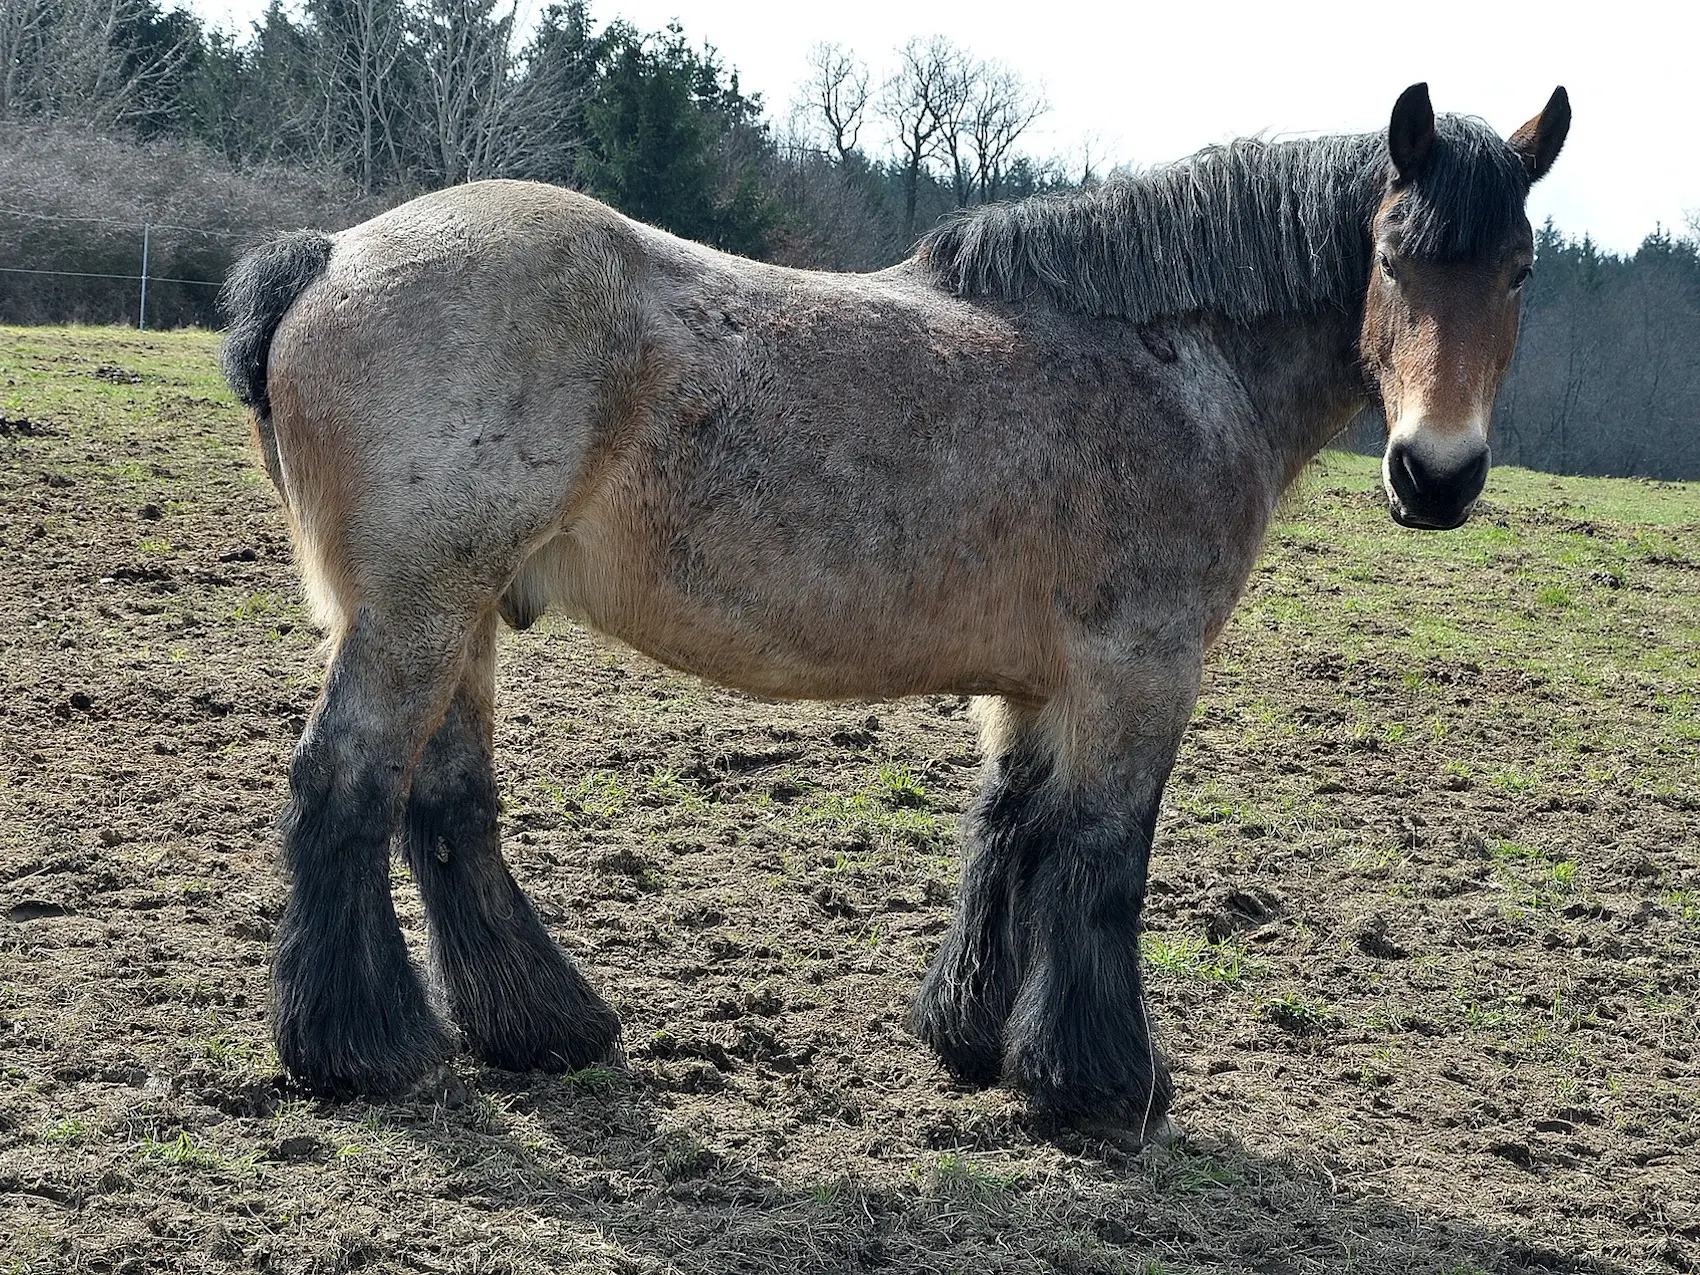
point(1425, 912)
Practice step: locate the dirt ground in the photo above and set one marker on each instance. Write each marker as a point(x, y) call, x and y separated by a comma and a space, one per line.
point(1424, 924)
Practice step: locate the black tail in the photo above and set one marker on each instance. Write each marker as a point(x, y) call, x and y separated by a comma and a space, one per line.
point(255, 298)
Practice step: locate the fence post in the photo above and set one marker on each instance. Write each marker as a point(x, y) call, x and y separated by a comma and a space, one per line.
point(142, 314)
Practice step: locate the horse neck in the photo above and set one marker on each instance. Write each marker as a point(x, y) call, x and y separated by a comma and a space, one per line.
point(1302, 374)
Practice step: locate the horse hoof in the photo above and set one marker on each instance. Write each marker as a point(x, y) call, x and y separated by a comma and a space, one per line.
point(1073, 1131)
point(1162, 1134)
point(367, 1068)
point(352, 1019)
point(561, 1044)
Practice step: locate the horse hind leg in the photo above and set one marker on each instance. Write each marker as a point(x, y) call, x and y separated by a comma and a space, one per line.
point(409, 585)
point(350, 1014)
point(520, 1000)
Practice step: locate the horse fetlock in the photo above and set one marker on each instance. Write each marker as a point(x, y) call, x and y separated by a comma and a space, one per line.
point(960, 1011)
point(1086, 1062)
point(523, 1004)
point(519, 999)
point(1133, 1099)
point(350, 1014)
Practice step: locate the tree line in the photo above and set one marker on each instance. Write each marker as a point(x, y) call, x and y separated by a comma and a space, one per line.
point(118, 112)
point(395, 97)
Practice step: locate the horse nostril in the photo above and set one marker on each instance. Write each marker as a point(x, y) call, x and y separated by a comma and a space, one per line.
point(1474, 476)
point(1406, 460)
point(1406, 472)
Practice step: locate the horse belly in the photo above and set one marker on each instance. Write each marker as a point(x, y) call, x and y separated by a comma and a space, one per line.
point(786, 628)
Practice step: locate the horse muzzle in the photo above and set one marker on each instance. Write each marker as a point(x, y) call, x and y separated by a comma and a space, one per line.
point(1433, 492)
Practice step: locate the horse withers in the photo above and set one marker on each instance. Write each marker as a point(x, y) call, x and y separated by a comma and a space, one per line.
point(1033, 463)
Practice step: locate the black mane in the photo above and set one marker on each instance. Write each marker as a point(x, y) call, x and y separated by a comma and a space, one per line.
point(1245, 230)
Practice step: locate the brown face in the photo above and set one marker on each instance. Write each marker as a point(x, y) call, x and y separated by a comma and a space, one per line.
point(1438, 336)
point(1440, 315)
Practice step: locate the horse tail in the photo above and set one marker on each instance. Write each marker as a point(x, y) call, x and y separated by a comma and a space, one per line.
point(255, 297)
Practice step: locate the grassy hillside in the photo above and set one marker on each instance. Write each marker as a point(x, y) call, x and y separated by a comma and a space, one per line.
point(1423, 925)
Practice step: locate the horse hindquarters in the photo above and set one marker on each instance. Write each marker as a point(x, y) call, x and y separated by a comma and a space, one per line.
point(1039, 982)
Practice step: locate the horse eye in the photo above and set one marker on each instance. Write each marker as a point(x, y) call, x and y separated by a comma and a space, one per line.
point(1386, 264)
point(1520, 278)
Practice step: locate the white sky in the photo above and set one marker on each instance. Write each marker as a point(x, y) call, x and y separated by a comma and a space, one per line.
point(1146, 83)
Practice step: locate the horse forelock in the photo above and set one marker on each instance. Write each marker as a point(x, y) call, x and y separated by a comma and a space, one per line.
point(1245, 230)
point(1467, 203)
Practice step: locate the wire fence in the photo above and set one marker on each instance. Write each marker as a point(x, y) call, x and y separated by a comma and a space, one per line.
point(145, 277)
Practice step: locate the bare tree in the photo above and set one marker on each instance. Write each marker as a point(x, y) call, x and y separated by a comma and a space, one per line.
point(469, 94)
point(837, 97)
point(82, 60)
point(556, 81)
point(362, 47)
point(1000, 109)
point(922, 103)
point(21, 37)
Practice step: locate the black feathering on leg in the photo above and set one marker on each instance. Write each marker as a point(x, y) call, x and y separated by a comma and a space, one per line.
point(350, 1015)
point(972, 983)
point(1078, 1040)
point(1038, 983)
point(519, 999)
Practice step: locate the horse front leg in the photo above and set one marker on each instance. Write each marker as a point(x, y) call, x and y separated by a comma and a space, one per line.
point(521, 1001)
point(1045, 948)
point(971, 985)
point(350, 1014)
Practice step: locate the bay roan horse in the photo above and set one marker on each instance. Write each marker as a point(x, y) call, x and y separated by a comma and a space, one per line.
point(1034, 462)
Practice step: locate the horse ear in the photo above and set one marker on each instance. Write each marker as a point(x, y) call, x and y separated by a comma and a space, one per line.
point(1410, 134)
point(1540, 140)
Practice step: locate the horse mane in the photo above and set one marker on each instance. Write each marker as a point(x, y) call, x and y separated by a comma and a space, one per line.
point(1245, 230)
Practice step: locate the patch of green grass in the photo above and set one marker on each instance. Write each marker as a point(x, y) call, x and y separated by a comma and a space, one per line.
point(596, 1079)
point(1198, 1174)
point(1685, 903)
point(899, 787)
point(961, 1178)
point(1192, 957)
point(238, 1051)
point(666, 788)
point(1514, 778)
point(69, 1131)
point(262, 605)
point(1503, 849)
point(684, 1156)
point(600, 794)
point(874, 819)
point(181, 1152)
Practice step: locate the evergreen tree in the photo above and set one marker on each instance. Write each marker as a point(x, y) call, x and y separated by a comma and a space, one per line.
point(671, 144)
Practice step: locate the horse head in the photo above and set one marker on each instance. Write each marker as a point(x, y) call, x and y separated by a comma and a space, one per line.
point(1452, 250)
